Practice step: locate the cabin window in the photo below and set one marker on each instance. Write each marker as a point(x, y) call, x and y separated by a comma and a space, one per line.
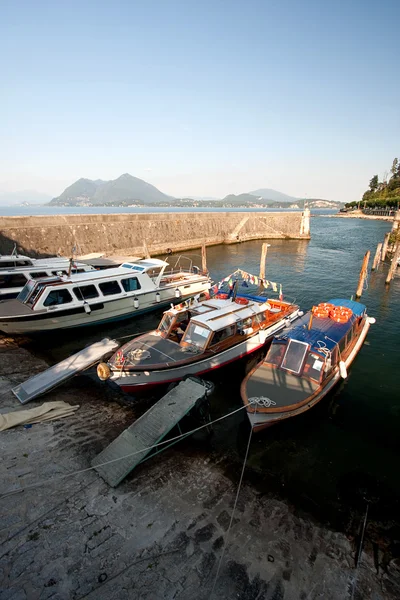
point(222, 334)
point(60, 272)
point(275, 353)
point(342, 345)
point(131, 284)
point(38, 274)
point(74, 271)
point(85, 292)
point(294, 356)
point(166, 323)
point(57, 297)
point(11, 281)
point(350, 335)
point(16, 263)
point(196, 335)
point(110, 287)
point(313, 366)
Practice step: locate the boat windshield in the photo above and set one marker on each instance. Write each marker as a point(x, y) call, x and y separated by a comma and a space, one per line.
point(26, 291)
point(313, 367)
point(275, 353)
point(196, 335)
point(294, 356)
point(166, 323)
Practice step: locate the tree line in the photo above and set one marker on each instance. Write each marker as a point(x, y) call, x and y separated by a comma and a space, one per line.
point(382, 193)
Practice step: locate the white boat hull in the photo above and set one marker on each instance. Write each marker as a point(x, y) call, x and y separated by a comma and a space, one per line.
point(61, 317)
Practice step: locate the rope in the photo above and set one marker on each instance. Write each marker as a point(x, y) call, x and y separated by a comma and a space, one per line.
point(233, 513)
point(87, 469)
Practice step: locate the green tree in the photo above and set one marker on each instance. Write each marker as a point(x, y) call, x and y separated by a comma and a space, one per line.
point(395, 167)
point(373, 184)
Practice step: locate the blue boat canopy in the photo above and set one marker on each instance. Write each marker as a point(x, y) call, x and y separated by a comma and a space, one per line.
point(324, 333)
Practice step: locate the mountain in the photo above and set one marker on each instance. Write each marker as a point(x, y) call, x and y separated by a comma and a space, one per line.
point(24, 196)
point(242, 199)
point(273, 195)
point(124, 189)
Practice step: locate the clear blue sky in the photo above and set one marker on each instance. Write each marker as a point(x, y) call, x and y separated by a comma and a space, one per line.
point(200, 97)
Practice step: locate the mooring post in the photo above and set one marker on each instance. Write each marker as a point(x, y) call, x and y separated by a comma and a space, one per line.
point(393, 266)
point(385, 245)
point(146, 250)
point(263, 260)
point(377, 258)
point(363, 274)
point(203, 259)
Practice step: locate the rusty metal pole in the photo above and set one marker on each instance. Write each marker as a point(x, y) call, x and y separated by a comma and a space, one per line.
point(385, 245)
point(203, 259)
point(264, 251)
point(377, 258)
point(393, 266)
point(363, 274)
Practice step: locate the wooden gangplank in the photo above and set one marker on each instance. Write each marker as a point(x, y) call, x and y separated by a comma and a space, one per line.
point(131, 447)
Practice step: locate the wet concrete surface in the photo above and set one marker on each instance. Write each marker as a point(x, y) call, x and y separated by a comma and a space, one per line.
point(161, 533)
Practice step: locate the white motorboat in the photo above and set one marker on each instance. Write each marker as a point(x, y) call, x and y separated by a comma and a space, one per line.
point(195, 339)
point(99, 296)
point(16, 270)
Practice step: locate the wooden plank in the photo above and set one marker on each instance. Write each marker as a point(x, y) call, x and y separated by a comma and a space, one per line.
point(126, 451)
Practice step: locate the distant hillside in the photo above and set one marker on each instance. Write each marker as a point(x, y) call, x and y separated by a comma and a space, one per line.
point(23, 197)
point(242, 199)
point(273, 195)
point(124, 189)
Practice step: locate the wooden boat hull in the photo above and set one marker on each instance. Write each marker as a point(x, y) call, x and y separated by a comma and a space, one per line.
point(135, 381)
point(261, 420)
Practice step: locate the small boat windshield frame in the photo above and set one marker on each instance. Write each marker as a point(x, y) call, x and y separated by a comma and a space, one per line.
point(294, 356)
point(27, 291)
point(197, 335)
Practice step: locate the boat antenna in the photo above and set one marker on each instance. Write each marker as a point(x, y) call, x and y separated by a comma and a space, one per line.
point(14, 252)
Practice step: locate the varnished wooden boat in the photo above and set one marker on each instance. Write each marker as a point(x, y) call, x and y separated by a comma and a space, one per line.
point(305, 362)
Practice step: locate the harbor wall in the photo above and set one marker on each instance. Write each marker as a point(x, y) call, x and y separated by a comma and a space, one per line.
point(130, 234)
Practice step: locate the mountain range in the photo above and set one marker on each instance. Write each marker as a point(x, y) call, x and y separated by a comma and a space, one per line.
point(126, 190)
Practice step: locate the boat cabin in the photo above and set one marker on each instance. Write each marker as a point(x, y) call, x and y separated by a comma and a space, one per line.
point(313, 353)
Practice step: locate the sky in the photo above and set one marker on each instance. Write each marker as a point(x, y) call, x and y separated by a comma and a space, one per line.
point(200, 98)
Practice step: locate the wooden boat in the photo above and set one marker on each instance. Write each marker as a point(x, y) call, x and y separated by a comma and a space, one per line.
point(16, 270)
point(196, 339)
point(305, 362)
point(99, 296)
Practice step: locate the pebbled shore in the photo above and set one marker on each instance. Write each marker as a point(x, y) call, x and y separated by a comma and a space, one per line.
point(160, 534)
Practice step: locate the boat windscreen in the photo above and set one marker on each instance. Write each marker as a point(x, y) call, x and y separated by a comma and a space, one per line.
point(313, 367)
point(196, 334)
point(166, 323)
point(294, 356)
point(275, 353)
point(26, 291)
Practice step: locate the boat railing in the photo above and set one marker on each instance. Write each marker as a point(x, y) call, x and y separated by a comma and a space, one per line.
point(182, 263)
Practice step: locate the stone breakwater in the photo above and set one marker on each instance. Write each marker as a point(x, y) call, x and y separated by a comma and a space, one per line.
point(130, 234)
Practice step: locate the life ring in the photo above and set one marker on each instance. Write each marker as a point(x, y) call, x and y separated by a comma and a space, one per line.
point(103, 371)
point(221, 296)
point(340, 314)
point(241, 301)
point(320, 313)
point(326, 306)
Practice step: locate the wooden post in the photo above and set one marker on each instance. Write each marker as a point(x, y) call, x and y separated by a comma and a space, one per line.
point(264, 251)
point(377, 258)
point(385, 245)
point(203, 259)
point(146, 250)
point(393, 266)
point(363, 274)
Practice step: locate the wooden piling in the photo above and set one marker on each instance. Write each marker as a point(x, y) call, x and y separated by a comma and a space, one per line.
point(203, 259)
point(377, 258)
point(385, 245)
point(363, 275)
point(393, 266)
point(263, 260)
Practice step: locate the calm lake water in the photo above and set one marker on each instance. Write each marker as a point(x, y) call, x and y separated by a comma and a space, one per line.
point(330, 459)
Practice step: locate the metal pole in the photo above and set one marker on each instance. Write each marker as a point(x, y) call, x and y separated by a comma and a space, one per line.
point(377, 258)
point(363, 274)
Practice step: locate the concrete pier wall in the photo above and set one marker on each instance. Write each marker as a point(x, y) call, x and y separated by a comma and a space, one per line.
point(129, 233)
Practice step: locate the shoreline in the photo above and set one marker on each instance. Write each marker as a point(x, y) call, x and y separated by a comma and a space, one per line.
point(357, 216)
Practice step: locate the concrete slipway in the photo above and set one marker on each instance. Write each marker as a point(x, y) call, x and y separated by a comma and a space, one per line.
point(159, 535)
